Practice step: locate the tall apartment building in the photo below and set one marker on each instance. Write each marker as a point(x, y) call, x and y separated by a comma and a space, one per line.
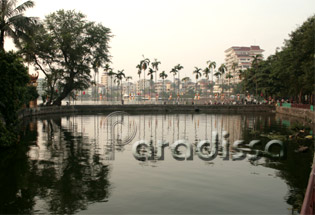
point(105, 80)
point(243, 57)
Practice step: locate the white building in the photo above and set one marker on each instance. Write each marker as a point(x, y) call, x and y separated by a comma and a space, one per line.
point(140, 83)
point(243, 57)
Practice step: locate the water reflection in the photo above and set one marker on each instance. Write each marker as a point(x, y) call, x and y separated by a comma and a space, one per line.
point(64, 164)
point(61, 173)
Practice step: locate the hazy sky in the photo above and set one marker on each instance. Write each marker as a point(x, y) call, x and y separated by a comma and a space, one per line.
point(188, 32)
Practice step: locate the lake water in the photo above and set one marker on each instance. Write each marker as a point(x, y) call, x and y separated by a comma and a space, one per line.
point(86, 164)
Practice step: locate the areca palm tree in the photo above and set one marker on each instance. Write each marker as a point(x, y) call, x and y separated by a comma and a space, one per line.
point(218, 74)
point(178, 67)
point(13, 23)
point(197, 74)
point(106, 69)
point(111, 73)
point(155, 66)
point(229, 76)
point(212, 65)
point(174, 72)
point(163, 75)
point(206, 73)
point(118, 78)
point(144, 65)
point(150, 73)
point(222, 70)
point(139, 71)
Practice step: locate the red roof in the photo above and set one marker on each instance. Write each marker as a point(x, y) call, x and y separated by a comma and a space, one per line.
point(254, 47)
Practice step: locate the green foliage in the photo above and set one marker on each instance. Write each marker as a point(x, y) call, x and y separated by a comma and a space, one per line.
point(7, 137)
point(289, 72)
point(66, 47)
point(14, 93)
point(13, 81)
point(31, 94)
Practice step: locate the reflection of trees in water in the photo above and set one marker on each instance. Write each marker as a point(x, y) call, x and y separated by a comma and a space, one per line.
point(294, 169)
point(64, 173)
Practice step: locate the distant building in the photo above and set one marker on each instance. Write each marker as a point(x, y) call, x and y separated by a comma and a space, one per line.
point(203, 85)
point(140, 83)
point(243, 57)
point(40, 86)
point(105, 80)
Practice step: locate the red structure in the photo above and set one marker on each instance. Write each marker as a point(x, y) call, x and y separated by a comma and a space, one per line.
point(308, 206)
point(33, 82)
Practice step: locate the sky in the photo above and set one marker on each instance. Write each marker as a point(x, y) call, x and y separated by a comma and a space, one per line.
point(186, 32)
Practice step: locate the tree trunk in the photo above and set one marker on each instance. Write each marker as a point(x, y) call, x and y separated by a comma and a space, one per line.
point(63, 95)
point(2, 40)
point(143, 85)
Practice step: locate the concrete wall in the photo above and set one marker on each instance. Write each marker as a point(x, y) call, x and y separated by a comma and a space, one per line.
point(80, 109)
point(305, 114)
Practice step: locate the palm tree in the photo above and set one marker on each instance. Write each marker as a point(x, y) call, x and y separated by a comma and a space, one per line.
point(163, 75)
point(197, 75)
point(150, 73)
point(144, 65)
point(222, 70)
point(229, 76)
point(206, 73)
point(139, 70)
point(127, 80)
point(255, 62)
point(111, 74)
point(13, 23)
point(234, 67)
point(211, 65)
point(106, 69)
point(118, 78)
point(218, 74)
point(174, 72)
point(155, 66)
point(178, 67)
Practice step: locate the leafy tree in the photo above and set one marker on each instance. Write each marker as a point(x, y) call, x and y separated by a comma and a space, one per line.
point(66, 47)
point(13, 23)
point(15, 93)
point(289, 73)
